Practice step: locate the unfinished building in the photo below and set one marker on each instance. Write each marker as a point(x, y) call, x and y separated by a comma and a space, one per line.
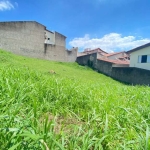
point(30, 38)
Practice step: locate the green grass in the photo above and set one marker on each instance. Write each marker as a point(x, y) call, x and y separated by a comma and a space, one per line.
point(74, 109)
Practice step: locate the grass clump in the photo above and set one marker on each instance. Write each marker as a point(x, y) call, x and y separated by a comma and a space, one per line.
point(76, 108)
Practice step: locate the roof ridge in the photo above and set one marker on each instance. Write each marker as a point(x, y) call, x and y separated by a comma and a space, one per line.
point(138, 48)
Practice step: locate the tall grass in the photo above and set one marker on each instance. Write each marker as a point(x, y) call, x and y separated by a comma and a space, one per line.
point(39, 110)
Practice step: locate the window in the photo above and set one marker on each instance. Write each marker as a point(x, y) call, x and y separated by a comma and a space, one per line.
point(139, 59)
point(148, 58)
point(144, 59)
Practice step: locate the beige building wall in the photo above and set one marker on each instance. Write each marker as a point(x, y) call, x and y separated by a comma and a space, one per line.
point(134, 56)
point(49, 37)
point(32, 39)
point(71, 55)
point(60, 39)
point(55, 53)
point(116, 56)
point(99, 55)
point(24, 38)
point(59, 53)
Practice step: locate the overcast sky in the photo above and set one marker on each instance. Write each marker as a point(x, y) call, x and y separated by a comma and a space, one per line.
point(112, 25)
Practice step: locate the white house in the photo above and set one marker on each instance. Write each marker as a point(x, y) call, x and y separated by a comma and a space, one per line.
point(140, 57)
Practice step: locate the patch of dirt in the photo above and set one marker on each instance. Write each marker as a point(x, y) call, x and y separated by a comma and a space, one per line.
point(64, 124)
point(52, 72)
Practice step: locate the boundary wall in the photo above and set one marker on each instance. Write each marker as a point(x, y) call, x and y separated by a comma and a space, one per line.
point(28, 38)
point(130, 75)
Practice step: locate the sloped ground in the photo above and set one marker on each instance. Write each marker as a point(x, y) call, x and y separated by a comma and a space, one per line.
point(73, 108)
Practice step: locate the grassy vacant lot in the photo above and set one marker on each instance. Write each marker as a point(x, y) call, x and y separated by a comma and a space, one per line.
point(74, 109)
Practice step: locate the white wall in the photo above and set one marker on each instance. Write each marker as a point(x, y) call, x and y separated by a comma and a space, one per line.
point(134, 58)
point(49, 37)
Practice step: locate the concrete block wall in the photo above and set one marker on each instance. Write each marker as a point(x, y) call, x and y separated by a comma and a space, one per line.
point(59, 53)
point(28, 38)
point(24, 38)
point(88, 60)
point(55, 53)
point(71, 55)
point(129, 75)
point(104, 67)
point(60, 39)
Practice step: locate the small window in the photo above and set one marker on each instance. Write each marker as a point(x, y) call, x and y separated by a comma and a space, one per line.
point(144, 59)
point(148, 58)
point(139, 59)
point(48, 38)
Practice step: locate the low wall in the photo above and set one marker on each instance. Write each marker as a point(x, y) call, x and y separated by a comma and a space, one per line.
point(131, 75)
point(54, 52)
point(59, 53)
point(124, 74)
point(71, 55)
point(88, 60)
point(104, 67)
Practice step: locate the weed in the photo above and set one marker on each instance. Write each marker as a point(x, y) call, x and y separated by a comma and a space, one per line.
point(76, 108)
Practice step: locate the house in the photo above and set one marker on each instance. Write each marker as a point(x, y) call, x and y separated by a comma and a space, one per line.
point(123, 56)
point(33, 39)
point(140, 57)
point(116, 65)
point(118, 59)
point(87, 51)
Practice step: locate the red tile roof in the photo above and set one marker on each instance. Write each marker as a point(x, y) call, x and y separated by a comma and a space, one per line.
point(96, 49)
point(111, 54)
point(115, 61)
